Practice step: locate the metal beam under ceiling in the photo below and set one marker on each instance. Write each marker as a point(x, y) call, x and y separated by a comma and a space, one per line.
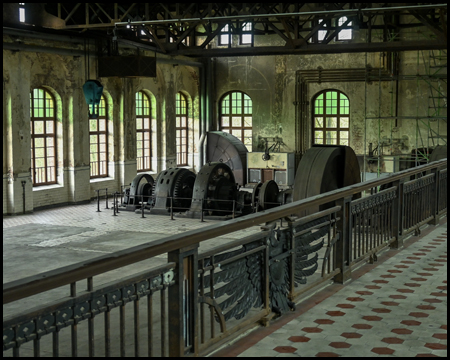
point(192, 29)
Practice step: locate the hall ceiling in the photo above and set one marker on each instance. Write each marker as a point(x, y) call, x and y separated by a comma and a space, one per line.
point(191, 28)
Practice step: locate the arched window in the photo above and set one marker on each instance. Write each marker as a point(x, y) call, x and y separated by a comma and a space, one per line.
point(331, 119)
point(236, 116)
point(143, 132)
point(98, 140)
point(182, 130)
point(43, 137)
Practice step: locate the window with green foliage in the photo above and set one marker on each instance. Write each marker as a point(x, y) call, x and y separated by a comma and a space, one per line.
point(98, 141)
point(143, 132)
point(331, 118)
point(236, 116)
point(182, 130)
point(43, 137)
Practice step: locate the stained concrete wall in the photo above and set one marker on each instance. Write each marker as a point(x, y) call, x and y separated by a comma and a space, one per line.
point(271, 80)
point(64, 77)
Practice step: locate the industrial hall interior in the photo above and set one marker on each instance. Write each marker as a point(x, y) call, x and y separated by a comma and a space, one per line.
point(225, 179)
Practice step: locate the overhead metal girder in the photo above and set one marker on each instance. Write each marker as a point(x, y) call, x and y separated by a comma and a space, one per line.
point(188, 28)
point(311, 49)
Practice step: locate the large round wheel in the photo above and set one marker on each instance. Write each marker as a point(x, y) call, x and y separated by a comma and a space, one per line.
point(176, 184)
point(214, 190)
point(325, 168)
point(227, 148)
point(265, 196)
point(142, 184)
point(439, 152)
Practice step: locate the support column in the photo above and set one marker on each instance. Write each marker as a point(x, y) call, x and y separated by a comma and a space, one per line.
point(343, 243)
point(397, 215)
point(435, 195)
point(183, 297)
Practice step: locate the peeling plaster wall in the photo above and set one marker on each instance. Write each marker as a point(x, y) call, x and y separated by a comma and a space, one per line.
point(64, 76)
point(270, 82)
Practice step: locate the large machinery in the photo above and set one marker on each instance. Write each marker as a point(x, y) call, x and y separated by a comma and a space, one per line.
point(228, 149)
point(215, 192)
point(172, 191)
point(140, 191)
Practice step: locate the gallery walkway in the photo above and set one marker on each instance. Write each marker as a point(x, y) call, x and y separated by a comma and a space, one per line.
point(394, 307)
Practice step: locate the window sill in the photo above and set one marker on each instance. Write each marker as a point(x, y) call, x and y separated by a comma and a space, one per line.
point(47, 187)
point(98, 180)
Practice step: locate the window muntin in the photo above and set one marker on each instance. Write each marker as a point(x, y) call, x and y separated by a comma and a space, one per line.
point(247, 38)
point(331, 119)
point(143, 132)
point(236, 116)
point(344, 34)
point(321, 34)
point(98, 142)
point(225, 35)
point(43, 137)
point(182, 129)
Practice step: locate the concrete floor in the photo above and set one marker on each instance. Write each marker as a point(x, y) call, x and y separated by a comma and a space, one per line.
point(50, 239)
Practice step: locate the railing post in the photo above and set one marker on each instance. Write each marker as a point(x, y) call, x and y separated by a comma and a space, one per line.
point(398, 215)
point(436, 195)
point(343, 243)
point(183, 298)
point(98, 200)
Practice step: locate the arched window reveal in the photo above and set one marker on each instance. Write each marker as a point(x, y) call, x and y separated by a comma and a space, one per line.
point(143, 132)
point(43, 137)
point(236, 116)
point(182, 130)
point(331, 121)
point(98, 140)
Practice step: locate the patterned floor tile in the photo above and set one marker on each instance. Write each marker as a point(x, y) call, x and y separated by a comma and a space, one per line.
point(394, 310)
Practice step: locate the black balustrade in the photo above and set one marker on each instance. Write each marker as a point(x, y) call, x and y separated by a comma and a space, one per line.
point(200, 300)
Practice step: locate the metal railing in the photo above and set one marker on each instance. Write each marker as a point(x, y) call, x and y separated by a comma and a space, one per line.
point(205, 299)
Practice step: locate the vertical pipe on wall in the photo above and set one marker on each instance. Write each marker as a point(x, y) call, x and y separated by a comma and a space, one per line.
point(205, 108)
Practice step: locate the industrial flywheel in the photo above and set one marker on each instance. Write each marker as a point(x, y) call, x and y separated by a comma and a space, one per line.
point(215, 191)
point(325, 168)
point(140, 190)
point(173, 188)
point(265, 195)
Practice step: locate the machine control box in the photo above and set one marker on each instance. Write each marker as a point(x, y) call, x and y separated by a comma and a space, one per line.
point(278, 166)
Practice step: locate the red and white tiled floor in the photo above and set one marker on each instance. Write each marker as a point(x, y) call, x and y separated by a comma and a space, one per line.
point(395, 307)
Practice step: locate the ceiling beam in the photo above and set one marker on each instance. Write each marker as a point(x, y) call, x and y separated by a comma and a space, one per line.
point(311, 49)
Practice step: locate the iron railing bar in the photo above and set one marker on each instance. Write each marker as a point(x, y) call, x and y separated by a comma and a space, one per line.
point(240, 256)
point(315, 216)
point(36, 284)
point(236, 243)
point(87, 296)
point(150, 324)
point(122, 329)
point(107, 333)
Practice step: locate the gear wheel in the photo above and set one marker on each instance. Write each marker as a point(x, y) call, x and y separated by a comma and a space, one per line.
point(182, 191)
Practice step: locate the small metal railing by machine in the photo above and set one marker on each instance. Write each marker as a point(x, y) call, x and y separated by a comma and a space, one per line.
point(196, 301)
